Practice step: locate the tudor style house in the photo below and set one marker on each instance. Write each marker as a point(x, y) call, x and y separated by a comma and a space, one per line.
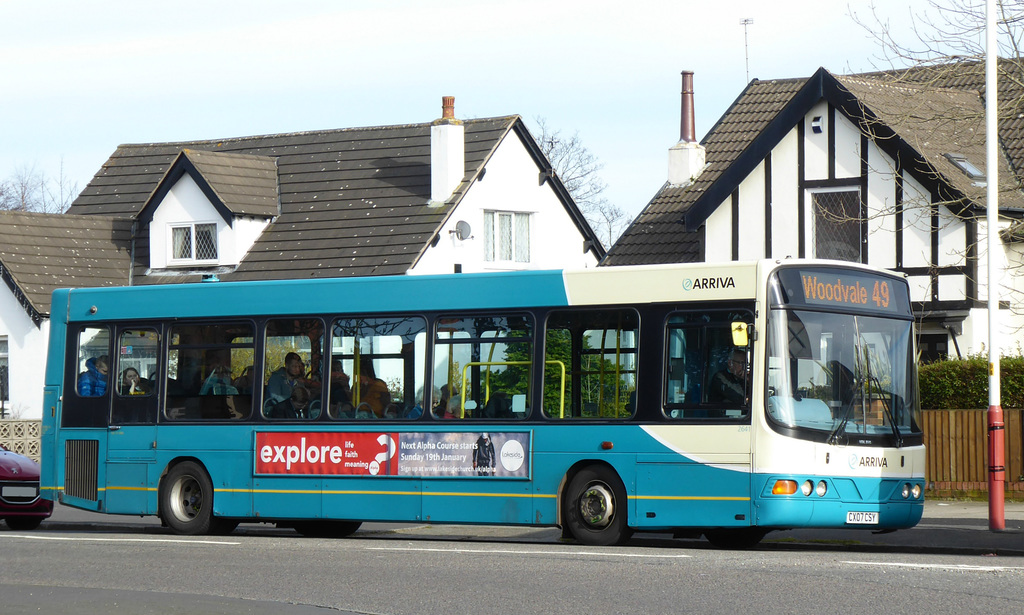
point(876, 168)
point(437, 197)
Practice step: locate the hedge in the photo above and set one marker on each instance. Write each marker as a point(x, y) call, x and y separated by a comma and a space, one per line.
point(963, 383)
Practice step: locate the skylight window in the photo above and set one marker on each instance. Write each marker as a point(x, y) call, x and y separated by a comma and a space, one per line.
point(966, 166)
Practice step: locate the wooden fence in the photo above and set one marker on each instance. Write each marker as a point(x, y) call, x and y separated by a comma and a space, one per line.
point(957, 452)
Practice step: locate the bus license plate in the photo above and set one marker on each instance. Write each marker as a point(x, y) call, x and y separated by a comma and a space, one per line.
point(862, 518)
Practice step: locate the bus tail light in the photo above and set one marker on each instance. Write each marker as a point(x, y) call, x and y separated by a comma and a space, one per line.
point(784, 487)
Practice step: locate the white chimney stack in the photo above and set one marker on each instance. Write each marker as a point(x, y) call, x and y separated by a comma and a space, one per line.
point(447, 153)
point(686, 159)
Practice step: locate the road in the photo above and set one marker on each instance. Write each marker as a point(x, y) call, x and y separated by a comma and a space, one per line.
point(83, 564)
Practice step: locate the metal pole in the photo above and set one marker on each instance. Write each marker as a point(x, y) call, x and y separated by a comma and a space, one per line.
point(746, 21)
point(996, 431)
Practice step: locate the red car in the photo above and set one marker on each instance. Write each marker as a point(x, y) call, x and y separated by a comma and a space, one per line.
point(20, 504)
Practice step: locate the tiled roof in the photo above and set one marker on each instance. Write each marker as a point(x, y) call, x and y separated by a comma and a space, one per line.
point(244, 184)
point(353, 201)
point(659, 233)
point(42, 252)
point(920, 115)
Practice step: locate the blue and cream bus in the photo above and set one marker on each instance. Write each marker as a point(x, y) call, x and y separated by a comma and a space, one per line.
point(722, 399)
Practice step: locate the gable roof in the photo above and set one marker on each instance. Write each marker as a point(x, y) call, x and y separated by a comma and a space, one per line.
point(42, 252)
point(236, 184)
point(352, 201)
point(940, 120)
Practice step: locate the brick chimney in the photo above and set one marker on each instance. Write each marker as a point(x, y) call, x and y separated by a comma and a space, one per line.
point(686, 159)
point(447, 153)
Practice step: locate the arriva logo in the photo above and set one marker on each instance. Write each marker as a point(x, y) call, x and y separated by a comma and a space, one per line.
point(708, 283)
point(858, 462)
point(512, 455)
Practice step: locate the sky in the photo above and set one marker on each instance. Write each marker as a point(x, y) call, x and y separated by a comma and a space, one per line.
point(80, 78)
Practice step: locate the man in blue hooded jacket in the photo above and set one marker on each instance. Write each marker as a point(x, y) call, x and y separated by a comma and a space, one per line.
point(93, 381)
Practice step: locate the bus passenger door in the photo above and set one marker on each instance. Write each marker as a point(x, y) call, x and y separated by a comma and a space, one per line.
point(131, 436)
point(81, 447)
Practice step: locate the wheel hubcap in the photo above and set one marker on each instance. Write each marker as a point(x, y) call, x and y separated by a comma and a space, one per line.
point(186, 499)
point(597, 505)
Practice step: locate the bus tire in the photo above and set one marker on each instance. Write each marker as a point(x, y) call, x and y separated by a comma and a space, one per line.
point(186, 500)
point(595, 507)
point(326, 529)
point(735, 538)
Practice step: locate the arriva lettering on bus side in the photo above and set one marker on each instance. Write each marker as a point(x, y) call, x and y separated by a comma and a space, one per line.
point(534, 398)
point(708, 283)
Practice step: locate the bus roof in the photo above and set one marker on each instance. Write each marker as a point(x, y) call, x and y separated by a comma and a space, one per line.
point(383, 294)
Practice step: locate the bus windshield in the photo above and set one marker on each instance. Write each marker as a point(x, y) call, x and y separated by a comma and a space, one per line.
point(842, 378)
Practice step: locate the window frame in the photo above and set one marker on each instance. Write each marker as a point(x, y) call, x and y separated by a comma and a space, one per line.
point(519, 251)
point(817, 218)
point(193, 228)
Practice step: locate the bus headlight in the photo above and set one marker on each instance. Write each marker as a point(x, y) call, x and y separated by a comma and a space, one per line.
point(821, 489)
point(807, 487)
point(905, 492)
point(916, 491)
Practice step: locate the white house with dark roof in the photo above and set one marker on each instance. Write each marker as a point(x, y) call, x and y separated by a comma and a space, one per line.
point(436, 197)
point(867, 168)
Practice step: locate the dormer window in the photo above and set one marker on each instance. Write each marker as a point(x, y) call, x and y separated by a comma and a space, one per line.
point(193, 243)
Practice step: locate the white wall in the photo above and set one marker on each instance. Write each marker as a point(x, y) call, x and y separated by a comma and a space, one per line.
point(186, 203)
point(785, 192)
point(26, 357)
point(510, 184)
point(881, 203)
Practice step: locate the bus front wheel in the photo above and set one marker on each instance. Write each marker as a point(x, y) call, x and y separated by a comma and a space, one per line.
point(595, 507)
point(186, 500)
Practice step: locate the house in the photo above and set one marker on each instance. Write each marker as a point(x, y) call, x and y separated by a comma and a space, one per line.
point(874, 168)
point(436, 197)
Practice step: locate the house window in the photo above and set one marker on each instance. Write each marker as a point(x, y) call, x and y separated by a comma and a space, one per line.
point(506, 236)
point(4, 394)
point(194, 242)
point(837, 225)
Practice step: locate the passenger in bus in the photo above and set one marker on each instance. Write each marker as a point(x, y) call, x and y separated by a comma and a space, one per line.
point(93, 381)
point(373, 392)
point(244, 381)
point(731, 385)
point(286, 378)
point(219, 381)
point(441, 405)
point(454, 408)
point(133, 384)
point(295, 407)
point(340, 393)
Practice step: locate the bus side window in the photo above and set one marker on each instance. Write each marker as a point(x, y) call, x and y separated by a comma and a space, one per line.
point(203, 361)
point(590, 364)
point(88, 376)
point(135, 377)
point(707, 376)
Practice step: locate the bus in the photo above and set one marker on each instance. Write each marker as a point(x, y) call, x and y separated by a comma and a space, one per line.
point(726, 400)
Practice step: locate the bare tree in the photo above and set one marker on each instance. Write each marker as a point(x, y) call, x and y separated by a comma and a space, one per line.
point(28, 189)
point(947, 50)
point(579, 171)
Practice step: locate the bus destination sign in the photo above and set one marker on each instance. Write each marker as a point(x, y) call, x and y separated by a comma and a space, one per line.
point(849, 290)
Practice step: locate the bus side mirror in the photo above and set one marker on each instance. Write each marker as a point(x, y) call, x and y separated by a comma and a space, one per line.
point(739, 334)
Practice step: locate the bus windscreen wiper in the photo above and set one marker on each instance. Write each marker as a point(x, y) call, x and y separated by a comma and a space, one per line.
point(888, 413)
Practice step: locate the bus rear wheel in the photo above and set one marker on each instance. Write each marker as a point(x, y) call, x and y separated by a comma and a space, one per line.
point(186, 501)
point(735, 538)
point(595, 507)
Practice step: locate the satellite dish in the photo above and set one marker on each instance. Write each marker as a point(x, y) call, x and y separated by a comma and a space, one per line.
point(462, 230)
